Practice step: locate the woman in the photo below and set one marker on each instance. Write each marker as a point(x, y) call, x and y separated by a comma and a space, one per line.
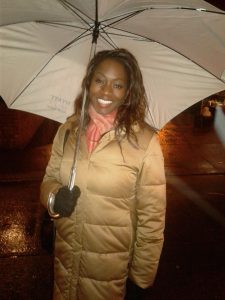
point(111, 227)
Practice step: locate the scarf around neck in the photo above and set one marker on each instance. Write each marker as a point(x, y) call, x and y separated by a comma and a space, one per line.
point(98, 125)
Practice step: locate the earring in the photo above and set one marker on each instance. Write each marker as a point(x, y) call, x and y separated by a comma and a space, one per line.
point(126, 101)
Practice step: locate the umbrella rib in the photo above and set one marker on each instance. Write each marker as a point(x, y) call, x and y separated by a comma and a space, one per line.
point(153, 40)
point(90, 29)
point(109, 40)
point(200, 9)
point(47, 62)
point(75, 10)
point(127, 16)
point(81, 36)
point(130, 15)
point(126, 34)
point(64, 25)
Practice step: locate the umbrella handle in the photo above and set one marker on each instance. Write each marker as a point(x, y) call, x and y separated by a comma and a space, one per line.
point(72, 178)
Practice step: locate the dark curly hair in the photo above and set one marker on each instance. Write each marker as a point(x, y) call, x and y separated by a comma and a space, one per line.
point(134, 109)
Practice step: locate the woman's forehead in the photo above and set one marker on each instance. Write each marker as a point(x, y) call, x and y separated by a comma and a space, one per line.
point(112, 66)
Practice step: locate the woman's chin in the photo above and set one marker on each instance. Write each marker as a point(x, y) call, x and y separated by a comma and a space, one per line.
point(104, 110)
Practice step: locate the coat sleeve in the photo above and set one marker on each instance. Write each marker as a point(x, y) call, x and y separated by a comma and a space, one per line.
point(51, 181)
point(150, 211)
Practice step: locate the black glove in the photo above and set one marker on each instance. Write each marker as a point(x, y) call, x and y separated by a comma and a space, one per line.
point(66, 200)
point(134, 292)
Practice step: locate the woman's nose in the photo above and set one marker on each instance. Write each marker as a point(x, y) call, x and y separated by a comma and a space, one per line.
point(107, 89)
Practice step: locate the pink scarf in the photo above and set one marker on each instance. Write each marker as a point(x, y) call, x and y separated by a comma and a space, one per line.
point(99, 124)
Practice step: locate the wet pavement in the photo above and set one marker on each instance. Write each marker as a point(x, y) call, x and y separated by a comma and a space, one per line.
point(192, 265)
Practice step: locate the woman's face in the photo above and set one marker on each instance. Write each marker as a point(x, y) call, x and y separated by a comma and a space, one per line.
point(109, 86)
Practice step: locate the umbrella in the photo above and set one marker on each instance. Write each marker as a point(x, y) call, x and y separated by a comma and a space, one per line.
point(46, 45)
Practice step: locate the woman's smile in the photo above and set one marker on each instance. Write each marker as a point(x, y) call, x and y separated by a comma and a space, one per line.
point(104, 102)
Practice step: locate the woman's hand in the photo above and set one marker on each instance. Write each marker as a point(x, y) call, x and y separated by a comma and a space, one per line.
point(134, 292)
point(66, 200)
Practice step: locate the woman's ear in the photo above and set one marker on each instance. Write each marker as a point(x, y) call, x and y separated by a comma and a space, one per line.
point(127, 94)
point(127, 98)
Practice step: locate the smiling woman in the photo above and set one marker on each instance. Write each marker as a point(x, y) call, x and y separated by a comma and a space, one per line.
point(109, 231)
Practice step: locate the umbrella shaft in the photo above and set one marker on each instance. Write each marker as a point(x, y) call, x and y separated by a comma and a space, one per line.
point(72, 178)
point(76, 152)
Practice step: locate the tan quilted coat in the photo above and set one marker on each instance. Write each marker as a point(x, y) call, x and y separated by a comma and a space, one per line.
point(116, 229)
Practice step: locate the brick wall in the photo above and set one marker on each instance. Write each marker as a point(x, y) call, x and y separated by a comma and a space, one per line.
point(19, 129)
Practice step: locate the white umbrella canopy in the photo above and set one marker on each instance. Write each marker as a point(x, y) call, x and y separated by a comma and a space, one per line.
point(45, 47)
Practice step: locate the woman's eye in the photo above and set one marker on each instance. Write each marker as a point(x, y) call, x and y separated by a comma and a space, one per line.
point(98, 80)
point(118, 86)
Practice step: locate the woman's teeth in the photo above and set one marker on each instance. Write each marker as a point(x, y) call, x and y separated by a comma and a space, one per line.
point(102, 101)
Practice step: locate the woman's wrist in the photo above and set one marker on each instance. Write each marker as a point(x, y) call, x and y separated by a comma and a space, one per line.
point(134, 292)
point(50, 205)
